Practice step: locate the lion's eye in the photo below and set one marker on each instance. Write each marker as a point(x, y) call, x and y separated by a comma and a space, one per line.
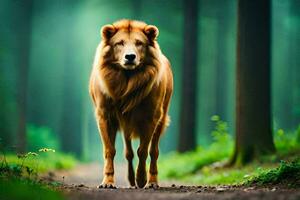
point(120, 43)
point(139, 43)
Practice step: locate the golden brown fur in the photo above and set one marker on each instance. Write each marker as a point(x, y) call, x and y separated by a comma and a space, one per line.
point(131, 96)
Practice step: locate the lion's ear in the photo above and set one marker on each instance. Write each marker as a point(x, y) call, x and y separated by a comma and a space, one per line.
point(107, 31)
point(151, 32)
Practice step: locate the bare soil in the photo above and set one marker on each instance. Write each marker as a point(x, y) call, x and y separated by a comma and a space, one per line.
point(81, 183)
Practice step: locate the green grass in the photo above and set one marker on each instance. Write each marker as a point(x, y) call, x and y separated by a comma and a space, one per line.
point(12, 189)
point(44, 161)
point(287, 173)
point(19, 174)
point(201, 165)
point(31, 164)
point(211, 176)
point(269, 170)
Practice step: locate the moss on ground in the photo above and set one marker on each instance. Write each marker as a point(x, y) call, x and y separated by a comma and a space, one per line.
point(287, 173)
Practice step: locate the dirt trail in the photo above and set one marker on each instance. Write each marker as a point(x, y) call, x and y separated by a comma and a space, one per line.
point(81, 183)
point(90, 175)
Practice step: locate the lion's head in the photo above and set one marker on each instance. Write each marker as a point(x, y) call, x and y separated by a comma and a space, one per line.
point(128, 42)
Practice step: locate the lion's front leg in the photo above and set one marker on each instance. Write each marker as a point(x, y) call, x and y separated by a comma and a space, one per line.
point(154, 153)
point(108, 130)
point(141, 175)
point(146, 130)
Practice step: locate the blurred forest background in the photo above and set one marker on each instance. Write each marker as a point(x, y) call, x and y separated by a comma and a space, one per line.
point(47, 50)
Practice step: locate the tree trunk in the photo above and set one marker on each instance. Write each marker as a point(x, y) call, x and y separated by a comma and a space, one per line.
point(23, 41)
point(187, 134)
point(253, 109)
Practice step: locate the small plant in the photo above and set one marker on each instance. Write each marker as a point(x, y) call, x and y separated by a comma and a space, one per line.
point(220, 133)
point(28, 169)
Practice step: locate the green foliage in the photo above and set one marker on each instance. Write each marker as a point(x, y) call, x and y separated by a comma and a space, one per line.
point(17, 189)
point(205, 165)
point(286, 173)
point(287, 142)
point(177, 165)
point(19, 174)
point(29, 165)
point(220, 134)
point(255, 173)
point(38, 137)
point(44, 161)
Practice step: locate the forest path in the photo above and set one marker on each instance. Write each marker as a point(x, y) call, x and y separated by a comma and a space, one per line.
point(81, 183)
point(90, 175)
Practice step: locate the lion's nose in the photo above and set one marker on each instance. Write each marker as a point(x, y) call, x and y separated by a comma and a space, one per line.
point(130, 57)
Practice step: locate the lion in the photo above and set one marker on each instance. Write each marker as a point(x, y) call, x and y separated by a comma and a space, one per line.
point(131, 85)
